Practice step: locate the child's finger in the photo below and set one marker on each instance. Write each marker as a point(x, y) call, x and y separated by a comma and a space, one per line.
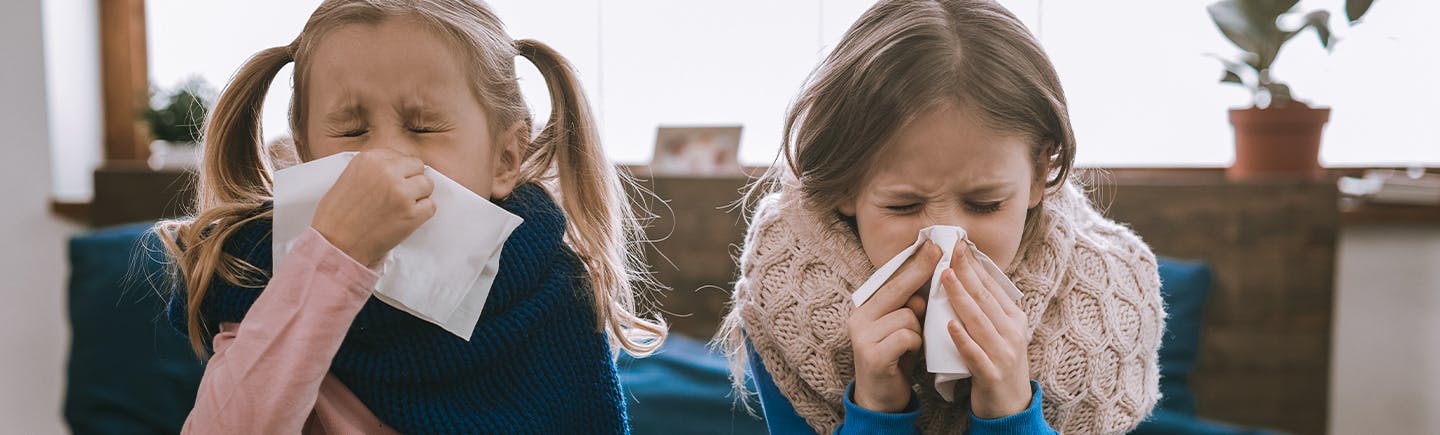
point(902, 318)
point(897, 344)
point(994, 287)
point(419, 187)
point(976, 322)
point(985, 297)
point(913, 274)
point(917, 303)
point(971, 353)
point(424, 209)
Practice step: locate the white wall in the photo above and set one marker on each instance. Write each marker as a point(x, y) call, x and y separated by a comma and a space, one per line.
point(72, 75)
point(34, 335)
point(1386, 365)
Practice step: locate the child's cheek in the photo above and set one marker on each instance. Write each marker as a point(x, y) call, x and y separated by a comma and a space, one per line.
point(998, 236)
point(883, 233)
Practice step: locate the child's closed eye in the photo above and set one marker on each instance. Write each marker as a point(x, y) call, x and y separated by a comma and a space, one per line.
point(428, 129)
point(983, 207)
point(357, 132)
point(904, 208)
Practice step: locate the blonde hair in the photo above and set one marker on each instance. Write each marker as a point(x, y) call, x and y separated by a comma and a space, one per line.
point(566, 158)
point(902, 57)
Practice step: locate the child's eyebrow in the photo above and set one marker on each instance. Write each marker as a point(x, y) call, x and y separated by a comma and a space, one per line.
point(345, 112)
point(419, 112)
point(988, 187)
point(903, 191)
point(907, 191)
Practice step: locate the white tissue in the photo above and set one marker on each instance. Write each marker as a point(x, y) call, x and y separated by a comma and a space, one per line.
point(941, 356)
point(441, 273)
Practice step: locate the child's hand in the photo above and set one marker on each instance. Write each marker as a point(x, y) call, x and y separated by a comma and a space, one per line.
point(885, 335)
point(990, 335)
point(380, 198)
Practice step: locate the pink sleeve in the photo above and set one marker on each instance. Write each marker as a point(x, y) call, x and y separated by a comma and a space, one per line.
point(266, 374)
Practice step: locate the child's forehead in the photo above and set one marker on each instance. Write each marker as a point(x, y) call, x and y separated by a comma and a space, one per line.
point(393, 52)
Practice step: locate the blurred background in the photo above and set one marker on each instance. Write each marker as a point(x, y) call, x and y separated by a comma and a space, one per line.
point(1302, 283)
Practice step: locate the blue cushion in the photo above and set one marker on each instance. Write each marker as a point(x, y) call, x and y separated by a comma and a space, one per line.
point(129, 372)
point(1166, 422)
point(683, 388)
point(1185, 288)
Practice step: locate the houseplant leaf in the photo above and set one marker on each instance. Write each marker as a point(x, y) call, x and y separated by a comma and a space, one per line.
point(1238, 72)
point(1251, 25)
point(179, 117)
point(1231, 77)
point(1354, 9)
point(1320, 21)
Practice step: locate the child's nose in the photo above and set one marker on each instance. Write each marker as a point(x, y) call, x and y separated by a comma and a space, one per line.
point(395, 141)
point(952, 216)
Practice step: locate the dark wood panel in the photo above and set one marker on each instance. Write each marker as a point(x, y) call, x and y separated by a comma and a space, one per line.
point(1265, 357)
point(697, 236)
point(132, 192)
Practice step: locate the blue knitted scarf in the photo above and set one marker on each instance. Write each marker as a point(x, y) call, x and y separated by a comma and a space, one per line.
point(536, 363)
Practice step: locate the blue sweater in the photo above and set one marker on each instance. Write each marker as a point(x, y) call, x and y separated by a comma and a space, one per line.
point(781, 418)
point(536, 362)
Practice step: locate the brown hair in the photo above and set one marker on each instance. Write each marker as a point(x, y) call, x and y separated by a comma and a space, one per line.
point(566, 158)
point(901, 58)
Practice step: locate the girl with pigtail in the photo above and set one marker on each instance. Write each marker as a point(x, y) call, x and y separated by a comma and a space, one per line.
point(407, 84)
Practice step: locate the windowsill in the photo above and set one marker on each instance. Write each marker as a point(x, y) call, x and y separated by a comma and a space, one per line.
point(128, 192)
point(73, 211)
point(1352, 212)
point(1362, 213)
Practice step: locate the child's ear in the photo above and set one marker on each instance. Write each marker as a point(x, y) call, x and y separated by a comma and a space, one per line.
point(1037, 192)
point(509, 154)
point(1037, 186)
point(847, 207)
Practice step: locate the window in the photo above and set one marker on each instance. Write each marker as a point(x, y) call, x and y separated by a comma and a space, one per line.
point(1141, 89)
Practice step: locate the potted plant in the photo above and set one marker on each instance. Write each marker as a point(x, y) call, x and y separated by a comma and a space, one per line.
point(1279, 135)
point(176, 120)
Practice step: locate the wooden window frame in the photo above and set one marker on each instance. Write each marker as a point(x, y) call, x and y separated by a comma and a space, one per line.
point(125, 79)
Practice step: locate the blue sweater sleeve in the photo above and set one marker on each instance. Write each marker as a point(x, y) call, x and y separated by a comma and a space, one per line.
point(780, 416)
point(1031, 421)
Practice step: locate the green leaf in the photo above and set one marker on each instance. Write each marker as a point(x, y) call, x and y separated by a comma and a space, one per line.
point(180, 116)
point(1229, 16)
point(1251, 25)
point(1237, 72)
point(1354, 9)
point(1231, 77)
point(1320, 21)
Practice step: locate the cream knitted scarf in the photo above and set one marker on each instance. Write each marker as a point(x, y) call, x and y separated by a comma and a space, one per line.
point(1091, 294)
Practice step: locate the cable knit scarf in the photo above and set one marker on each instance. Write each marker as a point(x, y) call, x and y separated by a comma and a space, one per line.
point(1091, 295)
point(536, 363)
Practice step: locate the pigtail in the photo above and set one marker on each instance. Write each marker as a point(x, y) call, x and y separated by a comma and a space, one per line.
point(234, 184)
point(592, 194)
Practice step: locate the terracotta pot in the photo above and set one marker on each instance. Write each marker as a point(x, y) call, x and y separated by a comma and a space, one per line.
point(1277, 142)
